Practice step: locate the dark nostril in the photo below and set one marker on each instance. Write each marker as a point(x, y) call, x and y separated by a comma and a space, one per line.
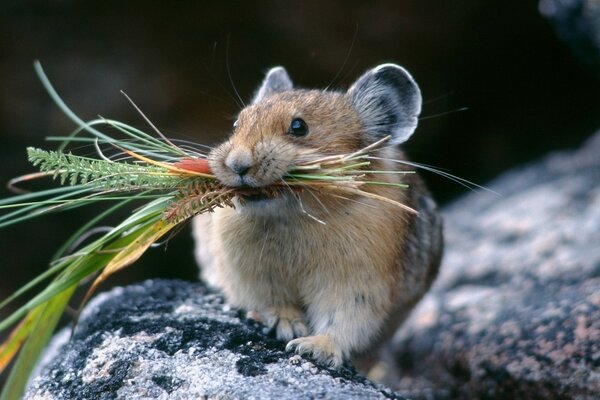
point(241, 169)
point(239, 161)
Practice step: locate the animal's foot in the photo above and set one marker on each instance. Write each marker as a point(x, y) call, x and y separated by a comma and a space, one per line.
point(321, 347)
point(287, 322)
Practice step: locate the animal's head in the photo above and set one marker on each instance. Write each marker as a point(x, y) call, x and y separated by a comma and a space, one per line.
point(283, 126)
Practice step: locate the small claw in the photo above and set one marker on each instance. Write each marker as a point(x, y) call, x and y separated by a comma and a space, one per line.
point(320, 347)
point(290, 329)
point(287, 323)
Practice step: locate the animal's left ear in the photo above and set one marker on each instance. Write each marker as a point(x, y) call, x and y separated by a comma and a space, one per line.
point(277, 80)
point(388, 102)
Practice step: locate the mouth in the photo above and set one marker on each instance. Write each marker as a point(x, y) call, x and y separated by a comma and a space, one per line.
point(252, 195)
point(251, 198)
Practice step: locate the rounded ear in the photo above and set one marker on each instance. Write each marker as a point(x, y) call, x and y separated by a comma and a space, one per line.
point(277, 80)
point(388, 101)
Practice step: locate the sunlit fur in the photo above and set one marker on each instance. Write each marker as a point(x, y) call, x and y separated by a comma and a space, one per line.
point(333, 274)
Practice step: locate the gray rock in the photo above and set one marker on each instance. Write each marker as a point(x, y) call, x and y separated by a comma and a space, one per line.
point(515, 312)
point(177, 340)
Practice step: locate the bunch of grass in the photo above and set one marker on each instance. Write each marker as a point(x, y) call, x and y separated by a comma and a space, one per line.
point(173, 181)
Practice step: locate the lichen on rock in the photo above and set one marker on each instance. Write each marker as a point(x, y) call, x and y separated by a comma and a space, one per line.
point(166, 339)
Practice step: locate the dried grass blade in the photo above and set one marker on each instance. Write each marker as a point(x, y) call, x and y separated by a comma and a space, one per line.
point(373, 196)
point(129, 254)
point(366, 149)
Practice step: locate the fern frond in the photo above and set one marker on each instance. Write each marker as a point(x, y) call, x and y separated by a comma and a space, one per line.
point(102, 174)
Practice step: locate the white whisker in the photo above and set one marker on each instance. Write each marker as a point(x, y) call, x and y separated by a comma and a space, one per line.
point(301, 205)
point(310, 191)
point(461, 181)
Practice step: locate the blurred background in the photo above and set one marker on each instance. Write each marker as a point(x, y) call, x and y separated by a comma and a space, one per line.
point(527, 91)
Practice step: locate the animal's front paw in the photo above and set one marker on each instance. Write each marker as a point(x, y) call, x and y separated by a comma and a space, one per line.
point(286, 322)
point(321, 347)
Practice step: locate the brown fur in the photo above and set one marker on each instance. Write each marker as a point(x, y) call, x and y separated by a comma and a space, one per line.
point(330, 275)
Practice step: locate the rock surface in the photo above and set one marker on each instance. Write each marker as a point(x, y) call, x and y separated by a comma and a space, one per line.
point(176, 340)
point(515, 312)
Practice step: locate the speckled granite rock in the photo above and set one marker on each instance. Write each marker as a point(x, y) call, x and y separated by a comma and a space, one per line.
point(175, 340)
point(515, 312)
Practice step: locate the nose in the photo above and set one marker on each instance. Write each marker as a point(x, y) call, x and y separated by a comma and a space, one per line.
point(239, 168)
point(239, 161)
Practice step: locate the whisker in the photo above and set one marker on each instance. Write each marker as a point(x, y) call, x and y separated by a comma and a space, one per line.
point(461, 181)
point(301, 205)
point(229, 71)
point(323, 206)
point(345, 58)
point(310, 191)
point(310, 215)
point(443, 113)
point(437, 98)
point(210, 73)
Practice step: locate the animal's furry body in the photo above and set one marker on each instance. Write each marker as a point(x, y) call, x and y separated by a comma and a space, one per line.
point(333, 276)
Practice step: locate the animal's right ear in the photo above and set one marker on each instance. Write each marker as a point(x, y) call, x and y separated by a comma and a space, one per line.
point(388, 102)
point(277, 80)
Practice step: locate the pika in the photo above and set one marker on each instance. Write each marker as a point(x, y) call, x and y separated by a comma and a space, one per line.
point(337, 285)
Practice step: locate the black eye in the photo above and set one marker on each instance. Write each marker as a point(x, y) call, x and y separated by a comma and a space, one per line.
point(235, 124)
point(298, 127)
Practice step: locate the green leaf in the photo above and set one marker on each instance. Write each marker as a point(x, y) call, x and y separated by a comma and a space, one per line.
point(46, 318)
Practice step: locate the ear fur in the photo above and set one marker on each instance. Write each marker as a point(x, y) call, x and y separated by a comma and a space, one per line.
point(388, 102)
point(277, 80)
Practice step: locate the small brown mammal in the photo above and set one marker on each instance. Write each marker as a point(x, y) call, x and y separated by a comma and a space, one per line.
point(332, 276)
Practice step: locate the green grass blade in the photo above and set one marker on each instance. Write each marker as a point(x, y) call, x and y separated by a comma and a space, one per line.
point(36, 209)
point(89, 225)
point(136, 133)
point(139, 148)
point(92, 258)
point(319, 177)
point(36, 195)
point(139, 140)
point(130, 247)
point(60, 252)
point(61, 104)
point(17, 337)
point(37, 339)
point(31, 284)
